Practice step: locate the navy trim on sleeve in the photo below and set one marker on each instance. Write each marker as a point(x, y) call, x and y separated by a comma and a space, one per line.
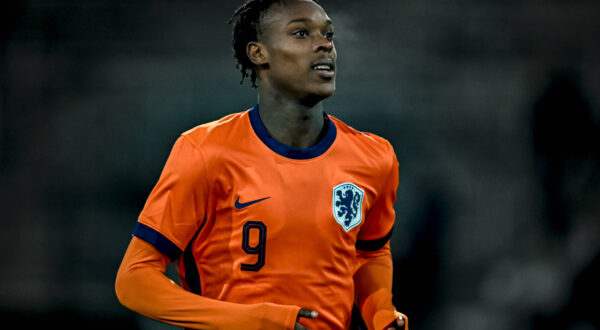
point(157, 239)
point(373, 245)
point(285, 150)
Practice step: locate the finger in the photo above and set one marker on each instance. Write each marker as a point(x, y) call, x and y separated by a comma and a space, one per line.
point(308, 313)
point(299, 326)
point(400, 322)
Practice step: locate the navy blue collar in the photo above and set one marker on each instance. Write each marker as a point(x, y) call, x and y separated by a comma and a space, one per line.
point(285, 150)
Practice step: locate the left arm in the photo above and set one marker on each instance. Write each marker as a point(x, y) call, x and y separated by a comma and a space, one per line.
point(373, 290)
point(373, 277)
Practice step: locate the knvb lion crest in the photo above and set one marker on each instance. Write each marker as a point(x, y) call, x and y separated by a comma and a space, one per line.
point(347, 204)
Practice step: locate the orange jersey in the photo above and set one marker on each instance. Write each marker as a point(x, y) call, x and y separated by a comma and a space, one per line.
point(249, 220)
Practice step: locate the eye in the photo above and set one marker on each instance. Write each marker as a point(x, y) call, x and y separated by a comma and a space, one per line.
point(301, 33)
point(328, 35)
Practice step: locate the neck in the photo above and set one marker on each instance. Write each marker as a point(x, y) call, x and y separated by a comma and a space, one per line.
point(290, 121)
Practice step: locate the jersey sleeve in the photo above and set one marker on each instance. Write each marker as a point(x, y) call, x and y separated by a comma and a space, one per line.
point(176, 206)
point(377, 229)
point(373, 288)
point(142, 286)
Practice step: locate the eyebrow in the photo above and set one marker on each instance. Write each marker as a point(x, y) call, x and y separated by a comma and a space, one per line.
point(307, 20)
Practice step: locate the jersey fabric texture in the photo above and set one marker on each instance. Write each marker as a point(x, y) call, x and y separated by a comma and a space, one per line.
point(249, 220)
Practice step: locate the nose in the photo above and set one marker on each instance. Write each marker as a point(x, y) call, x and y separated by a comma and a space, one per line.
point(323, 44)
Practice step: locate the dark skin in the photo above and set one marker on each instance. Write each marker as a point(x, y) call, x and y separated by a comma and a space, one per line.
point(295, 36)
point(295, 58)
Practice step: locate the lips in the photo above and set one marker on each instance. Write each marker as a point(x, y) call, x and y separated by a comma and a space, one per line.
point(324, 67)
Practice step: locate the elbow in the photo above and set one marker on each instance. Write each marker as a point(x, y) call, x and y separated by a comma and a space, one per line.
point(121, 288)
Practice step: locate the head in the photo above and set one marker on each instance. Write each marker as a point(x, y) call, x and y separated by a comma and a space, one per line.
point(286, 45)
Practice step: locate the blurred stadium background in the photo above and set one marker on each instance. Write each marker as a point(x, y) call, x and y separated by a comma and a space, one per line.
point(492, 107)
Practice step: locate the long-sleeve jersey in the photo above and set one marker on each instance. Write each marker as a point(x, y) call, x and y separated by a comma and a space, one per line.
point(259, 229)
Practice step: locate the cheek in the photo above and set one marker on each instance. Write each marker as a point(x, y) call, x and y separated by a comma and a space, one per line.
point(289, 62)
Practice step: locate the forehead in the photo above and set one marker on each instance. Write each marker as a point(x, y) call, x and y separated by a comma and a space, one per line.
point(282, 13)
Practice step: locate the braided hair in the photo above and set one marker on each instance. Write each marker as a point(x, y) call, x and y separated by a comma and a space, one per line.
point(246, 28)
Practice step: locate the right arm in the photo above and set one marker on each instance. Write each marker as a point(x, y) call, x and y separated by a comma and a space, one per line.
point(143, 287)
point(176, 205)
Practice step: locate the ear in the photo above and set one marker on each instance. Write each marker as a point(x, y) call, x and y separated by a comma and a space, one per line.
point(256, 53)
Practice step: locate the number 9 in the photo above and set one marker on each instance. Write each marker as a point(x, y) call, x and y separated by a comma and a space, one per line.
point(259, 249)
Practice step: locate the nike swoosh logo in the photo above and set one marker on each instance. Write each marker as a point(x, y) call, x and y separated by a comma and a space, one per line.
point(239, 205)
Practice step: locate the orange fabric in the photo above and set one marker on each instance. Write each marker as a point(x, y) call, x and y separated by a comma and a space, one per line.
point(247, 225)
point(142, 286)
point(373, 289)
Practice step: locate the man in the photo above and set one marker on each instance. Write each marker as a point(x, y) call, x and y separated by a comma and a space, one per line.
point(278, 217)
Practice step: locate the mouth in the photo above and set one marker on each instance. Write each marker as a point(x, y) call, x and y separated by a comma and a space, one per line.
point(325, 68)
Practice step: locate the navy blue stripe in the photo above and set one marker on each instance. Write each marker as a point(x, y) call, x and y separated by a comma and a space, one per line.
point(373, 245)
point(157, 239)
point(192, 276)
point(285, 150)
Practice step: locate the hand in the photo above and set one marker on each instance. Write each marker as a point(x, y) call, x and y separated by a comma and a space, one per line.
point(308, 314)
point(399, 324)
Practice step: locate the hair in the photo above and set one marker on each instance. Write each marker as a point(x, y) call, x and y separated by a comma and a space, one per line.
point(246, 28)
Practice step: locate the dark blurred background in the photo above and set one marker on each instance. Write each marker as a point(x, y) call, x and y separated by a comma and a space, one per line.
point(492, 107)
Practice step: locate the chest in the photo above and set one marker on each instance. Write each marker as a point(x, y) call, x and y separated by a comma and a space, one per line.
point(323, 197)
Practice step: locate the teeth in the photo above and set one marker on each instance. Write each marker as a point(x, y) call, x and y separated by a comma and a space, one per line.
point(322, 67)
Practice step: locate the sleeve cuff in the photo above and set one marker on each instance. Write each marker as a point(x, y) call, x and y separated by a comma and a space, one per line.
point(274, 316)
point(378, 311)
point(385, 317)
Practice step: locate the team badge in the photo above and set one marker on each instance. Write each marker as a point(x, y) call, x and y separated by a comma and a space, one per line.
point(347, 204)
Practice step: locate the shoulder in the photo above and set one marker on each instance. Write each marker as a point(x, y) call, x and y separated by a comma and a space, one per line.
point(371, 147)
point(370, 141)
point(217, 130)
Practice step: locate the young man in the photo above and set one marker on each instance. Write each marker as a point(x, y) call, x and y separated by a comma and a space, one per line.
point(278, 217)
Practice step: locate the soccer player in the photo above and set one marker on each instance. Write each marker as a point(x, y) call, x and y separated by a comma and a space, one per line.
point(277, 217)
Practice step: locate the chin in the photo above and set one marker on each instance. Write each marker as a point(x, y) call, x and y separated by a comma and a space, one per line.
point(325, 90)
point(314, 97)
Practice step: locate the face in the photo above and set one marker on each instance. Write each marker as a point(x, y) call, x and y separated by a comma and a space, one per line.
point(299, 57)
